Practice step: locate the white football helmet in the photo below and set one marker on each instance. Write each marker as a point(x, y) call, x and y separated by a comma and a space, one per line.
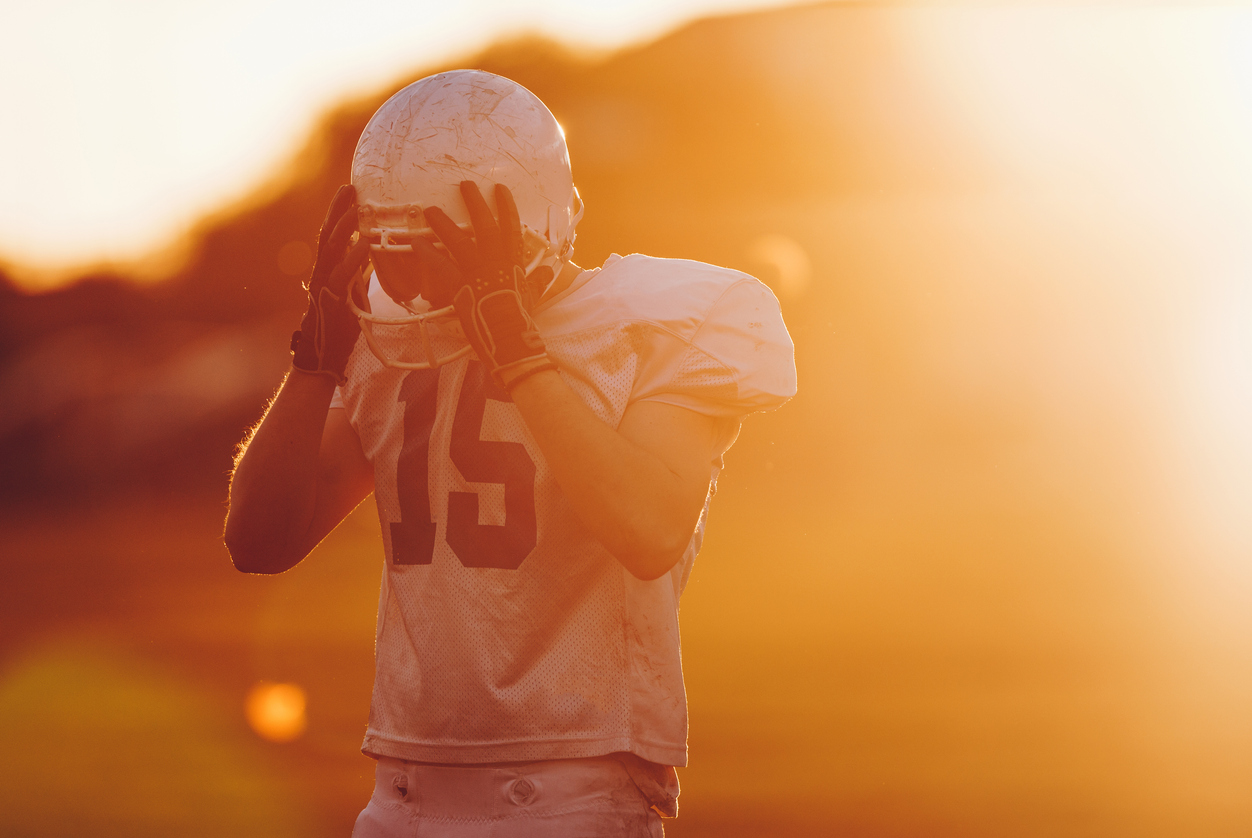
point(414, 153)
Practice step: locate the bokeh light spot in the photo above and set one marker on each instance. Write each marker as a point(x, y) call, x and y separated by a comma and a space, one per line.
point(276, 711)
point(787, 262)
point(295, 258)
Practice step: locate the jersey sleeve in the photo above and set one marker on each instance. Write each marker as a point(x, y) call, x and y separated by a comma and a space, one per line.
point(336, 400)
point(739, 359)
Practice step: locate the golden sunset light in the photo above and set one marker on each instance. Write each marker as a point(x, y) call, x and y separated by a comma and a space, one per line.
point(966, 288)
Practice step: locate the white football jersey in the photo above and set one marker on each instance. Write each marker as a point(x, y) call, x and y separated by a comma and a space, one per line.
point(505, 631)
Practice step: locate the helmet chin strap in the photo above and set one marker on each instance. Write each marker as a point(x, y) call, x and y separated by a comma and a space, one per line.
point(561, 280)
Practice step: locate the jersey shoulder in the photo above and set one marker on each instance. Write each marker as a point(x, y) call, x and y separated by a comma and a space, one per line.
point(716, 338)
point(675, 294)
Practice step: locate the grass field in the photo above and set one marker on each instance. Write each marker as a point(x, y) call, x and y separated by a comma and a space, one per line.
point(837, 686)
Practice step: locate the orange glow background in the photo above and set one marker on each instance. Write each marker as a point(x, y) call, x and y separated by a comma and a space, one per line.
point(989, 573)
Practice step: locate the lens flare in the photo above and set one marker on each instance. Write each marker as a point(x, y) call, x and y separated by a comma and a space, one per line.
point(295, 258)
point(276, 711)
point(787, 262)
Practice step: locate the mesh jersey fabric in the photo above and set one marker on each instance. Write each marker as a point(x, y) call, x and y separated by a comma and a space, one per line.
point(505, 631)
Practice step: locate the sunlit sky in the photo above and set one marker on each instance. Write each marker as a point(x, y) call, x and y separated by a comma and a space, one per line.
point(1139, 117)
point(124, 122)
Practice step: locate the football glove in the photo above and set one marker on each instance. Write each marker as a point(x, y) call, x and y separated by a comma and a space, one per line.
point(329, 329)
point(491, 293)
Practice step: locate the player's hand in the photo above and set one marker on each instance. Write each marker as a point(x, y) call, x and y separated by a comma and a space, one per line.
point(491, 293)
point(329, 329)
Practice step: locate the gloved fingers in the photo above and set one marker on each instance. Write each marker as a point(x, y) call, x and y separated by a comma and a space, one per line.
point(486, 231)
point(459, 243)
point(510, 224)
point(336, 243)
point(343, 201)
point(440, 277)
point(351, 263)
point(360, 294)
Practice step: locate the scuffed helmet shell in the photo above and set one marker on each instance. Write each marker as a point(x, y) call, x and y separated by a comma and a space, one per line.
point(464, 125)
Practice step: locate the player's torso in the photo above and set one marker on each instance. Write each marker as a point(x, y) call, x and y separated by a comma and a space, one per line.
point(458, 476)
point(505, 630)
point(500, 617)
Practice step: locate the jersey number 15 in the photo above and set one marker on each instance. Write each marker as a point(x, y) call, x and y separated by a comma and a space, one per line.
point(479, 461)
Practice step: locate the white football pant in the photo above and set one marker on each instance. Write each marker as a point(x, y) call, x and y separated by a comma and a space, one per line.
point(568, 798)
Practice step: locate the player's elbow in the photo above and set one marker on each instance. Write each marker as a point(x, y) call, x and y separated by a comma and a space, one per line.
point(649, 569)
point(251, 554)
point(654, 555)
point(259, 561)
point(246, 559)
point(655, 537)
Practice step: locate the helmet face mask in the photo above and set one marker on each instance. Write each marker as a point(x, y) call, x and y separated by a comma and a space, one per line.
point(431, 329)
point(414, 153)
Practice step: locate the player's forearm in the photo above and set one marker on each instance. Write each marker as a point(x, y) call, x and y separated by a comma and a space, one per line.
point(632, 503)
point(273, 491)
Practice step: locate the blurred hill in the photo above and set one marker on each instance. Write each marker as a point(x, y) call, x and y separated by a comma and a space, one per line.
point(693, 146)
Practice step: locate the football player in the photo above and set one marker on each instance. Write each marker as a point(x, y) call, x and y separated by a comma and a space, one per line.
point(542, 442)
